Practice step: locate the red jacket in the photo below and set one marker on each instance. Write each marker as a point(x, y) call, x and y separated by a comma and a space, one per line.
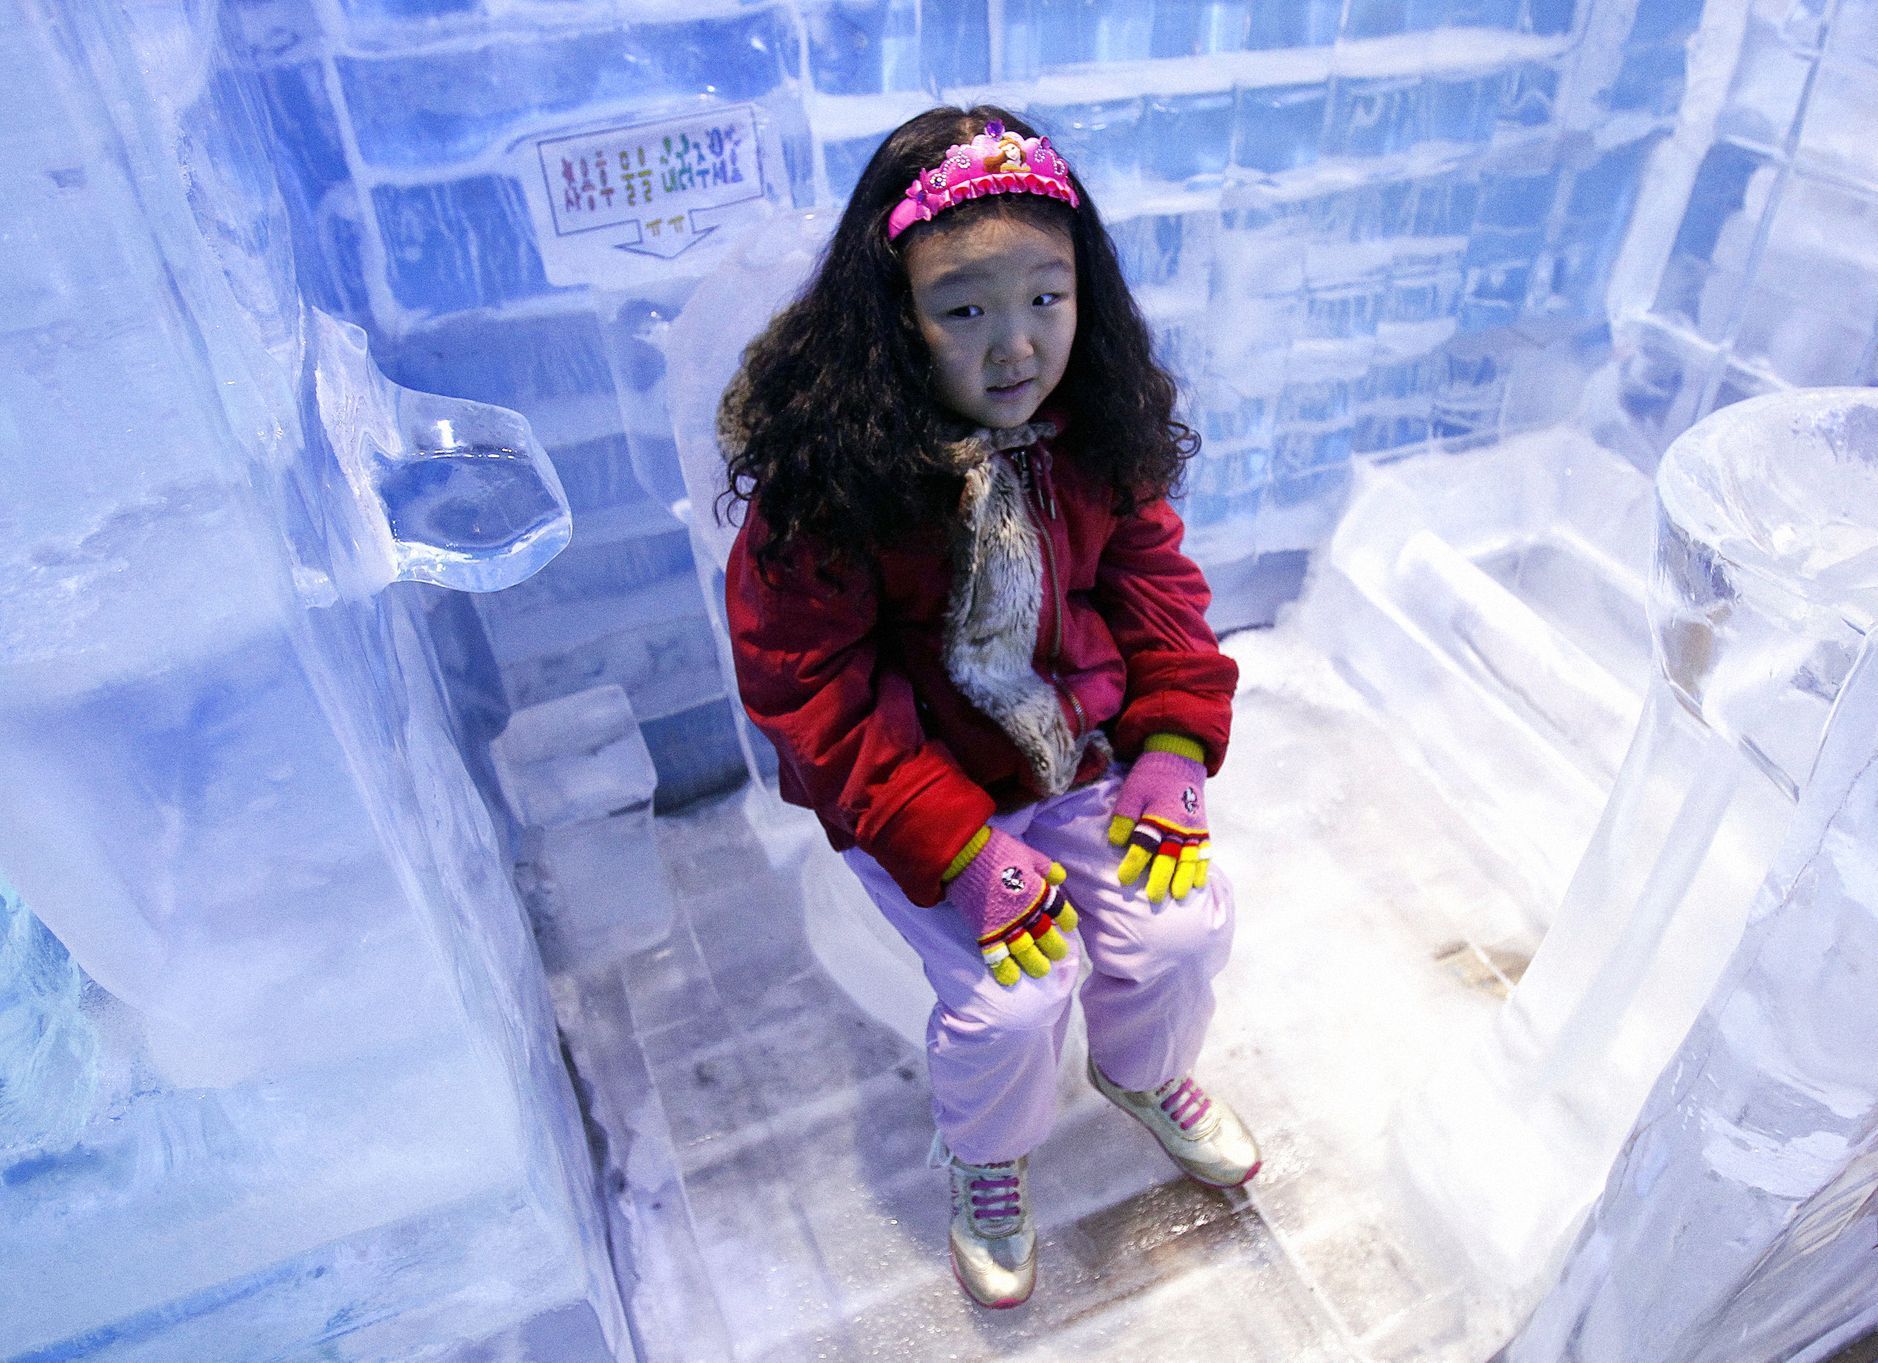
point(851, 682)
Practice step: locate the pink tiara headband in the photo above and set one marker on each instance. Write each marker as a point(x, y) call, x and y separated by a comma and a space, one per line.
point(994, 162)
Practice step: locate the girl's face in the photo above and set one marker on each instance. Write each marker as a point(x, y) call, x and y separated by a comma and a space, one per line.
point(996, 303)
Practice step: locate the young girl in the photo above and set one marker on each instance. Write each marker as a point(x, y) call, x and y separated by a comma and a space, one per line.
point(960, 611)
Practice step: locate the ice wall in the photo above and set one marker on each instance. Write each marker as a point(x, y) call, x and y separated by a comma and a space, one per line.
point(1360, 229)
point(1749, 268)
point(277, 1073)
point(425, 146)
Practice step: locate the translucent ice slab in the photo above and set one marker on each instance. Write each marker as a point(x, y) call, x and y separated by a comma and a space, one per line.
point(1492, 602)
point(578, 778)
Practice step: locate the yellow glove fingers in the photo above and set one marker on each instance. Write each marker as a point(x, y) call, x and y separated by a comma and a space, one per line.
point(1133, 864)
point(1185, 871)
point(1119, 828)
point(1053, 945)
point(1056, 875)
point(998, 961)
point(1204, 859)
point(1159, 878)
point(1024, 952)
point(1182, 884)
point(1065, 915)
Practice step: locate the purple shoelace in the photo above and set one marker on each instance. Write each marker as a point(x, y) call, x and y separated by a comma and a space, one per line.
point(995, 1198)
point(1186, 1104)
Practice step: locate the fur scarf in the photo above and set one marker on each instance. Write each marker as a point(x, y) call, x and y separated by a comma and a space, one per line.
point(996, 607)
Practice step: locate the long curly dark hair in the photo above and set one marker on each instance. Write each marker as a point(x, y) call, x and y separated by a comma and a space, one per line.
point(831, 427)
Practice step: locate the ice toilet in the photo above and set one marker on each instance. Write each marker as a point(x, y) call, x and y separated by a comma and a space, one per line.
point(1734, 818)
point(1751, 1158)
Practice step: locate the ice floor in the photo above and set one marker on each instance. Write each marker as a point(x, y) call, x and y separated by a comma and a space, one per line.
point(783, 1134)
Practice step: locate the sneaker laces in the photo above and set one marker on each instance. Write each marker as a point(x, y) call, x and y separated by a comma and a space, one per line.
point(994, 1193)
point(1184, 1101)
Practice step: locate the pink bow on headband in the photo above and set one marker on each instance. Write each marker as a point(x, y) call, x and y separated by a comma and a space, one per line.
point(994, 162)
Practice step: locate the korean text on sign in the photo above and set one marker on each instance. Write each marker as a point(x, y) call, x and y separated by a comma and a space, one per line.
point(653, 173)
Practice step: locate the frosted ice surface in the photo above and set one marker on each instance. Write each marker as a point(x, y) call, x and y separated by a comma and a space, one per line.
point(1802, 320)
point(1279, 127)
point(1843, 85)
point(1767, 89)
point(48, 1046)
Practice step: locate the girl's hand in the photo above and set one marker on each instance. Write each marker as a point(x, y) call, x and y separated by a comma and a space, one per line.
point(1160, 817)
point(1010, 895)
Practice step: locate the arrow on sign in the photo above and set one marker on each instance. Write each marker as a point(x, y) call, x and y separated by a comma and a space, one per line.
point(698, 225)
point(665, 245)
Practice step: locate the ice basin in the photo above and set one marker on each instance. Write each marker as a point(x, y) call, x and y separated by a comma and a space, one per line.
point(1767, 568)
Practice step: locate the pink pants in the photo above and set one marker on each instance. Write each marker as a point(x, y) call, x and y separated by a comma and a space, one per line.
point(992, 1052)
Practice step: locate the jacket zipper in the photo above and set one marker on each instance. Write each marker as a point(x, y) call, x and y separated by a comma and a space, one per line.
point(1046, 504)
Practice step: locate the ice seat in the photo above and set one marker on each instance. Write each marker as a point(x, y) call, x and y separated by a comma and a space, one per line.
point(1491, 601)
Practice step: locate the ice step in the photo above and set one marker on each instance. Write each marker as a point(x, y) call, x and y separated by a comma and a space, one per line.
point(1465, 597)
point(1513, 653)
point(1492, 766)
point(579, 780)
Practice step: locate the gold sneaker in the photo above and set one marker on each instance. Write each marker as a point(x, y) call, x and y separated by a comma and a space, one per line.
point(993, 1244)
point(1198, 1131)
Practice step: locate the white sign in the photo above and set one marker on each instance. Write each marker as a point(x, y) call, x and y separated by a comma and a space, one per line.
point(645, 190)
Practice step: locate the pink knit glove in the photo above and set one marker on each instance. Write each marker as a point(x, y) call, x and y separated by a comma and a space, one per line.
point(1160, 817)
point(1009, 894)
